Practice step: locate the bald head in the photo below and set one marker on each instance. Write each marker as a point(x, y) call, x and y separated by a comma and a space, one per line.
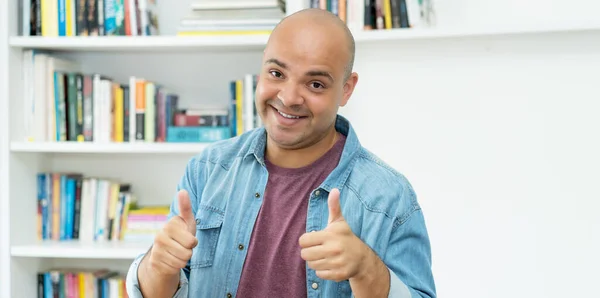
point(322, 21)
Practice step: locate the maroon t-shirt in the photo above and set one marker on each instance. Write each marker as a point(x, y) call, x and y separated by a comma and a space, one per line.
point(273, 266)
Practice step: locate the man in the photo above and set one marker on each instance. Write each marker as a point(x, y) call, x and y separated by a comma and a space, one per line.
point(297, 208)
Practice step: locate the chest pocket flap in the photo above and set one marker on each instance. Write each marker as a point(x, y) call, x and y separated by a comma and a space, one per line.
point(208, 228)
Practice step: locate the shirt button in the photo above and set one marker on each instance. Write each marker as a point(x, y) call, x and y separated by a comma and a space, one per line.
point(229, 295)
point(317, 193)
point(315, 285)
point(257, 195)
point(197, 221)
point(241, 246)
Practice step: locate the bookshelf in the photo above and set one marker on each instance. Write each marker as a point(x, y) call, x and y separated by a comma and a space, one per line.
point(108, 148)
point(257, 42)
point(77, 250)
point(145, 43)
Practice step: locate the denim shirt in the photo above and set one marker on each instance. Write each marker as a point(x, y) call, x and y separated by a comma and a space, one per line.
point(226, 182)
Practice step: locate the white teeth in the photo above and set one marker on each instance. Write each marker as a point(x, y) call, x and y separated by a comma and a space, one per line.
point(288, 116)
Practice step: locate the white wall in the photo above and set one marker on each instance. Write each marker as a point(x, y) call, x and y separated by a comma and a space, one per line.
point(500, 137)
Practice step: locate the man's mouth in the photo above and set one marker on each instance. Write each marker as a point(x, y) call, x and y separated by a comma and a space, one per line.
point(288, 116)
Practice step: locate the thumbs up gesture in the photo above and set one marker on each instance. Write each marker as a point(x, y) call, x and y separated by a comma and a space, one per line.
point(173, 244)
point(335, 253)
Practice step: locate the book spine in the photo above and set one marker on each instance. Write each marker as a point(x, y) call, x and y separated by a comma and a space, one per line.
point(71, 107)
point(81, 10)
point(77, 215)
point(62, 22)
point(101, 15)
point(70, 207)
point(47, 211)
point(40, 285)
point(126, 115)
point(79, 106)
point(92, 17)
point(182, 134)
point(404, 22)
point(140, 108)
point(149, 114)
point(69, 20)
point(120, 17)
point(63, 207)
point(161, 122)
point(110, 15)
point(60, 105)
point(41, 193)
point(88, 113)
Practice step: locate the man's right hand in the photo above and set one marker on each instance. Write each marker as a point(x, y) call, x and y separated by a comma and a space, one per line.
point(173, 245)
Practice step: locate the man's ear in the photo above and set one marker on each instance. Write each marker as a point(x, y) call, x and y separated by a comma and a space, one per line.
point(349, 88)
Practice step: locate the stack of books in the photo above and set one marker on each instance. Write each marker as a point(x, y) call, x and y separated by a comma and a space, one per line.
point(143, 223)
point(227, 17)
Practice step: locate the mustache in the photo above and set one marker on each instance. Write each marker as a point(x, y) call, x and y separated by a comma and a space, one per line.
point(278, 104)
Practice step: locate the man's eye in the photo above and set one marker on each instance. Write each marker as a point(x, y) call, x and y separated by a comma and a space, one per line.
point(275, 73)
point(316, 85)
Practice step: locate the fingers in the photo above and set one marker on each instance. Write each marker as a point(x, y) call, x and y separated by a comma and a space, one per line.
point(326, 263)
point(313, 238)
point(185, 210)
point(314, 253)
point(321, 251)
point(334, 268)
point(181, 236)
point(163, 260)
point(177, 250)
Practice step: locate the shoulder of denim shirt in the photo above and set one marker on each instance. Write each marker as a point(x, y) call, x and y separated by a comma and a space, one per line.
point(224, 153)
point(381, 188)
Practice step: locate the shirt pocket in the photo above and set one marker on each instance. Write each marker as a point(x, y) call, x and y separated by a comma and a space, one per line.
point(208, 228)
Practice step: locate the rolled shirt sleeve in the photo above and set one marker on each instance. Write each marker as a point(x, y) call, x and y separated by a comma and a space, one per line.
point(397, 288)
point(133, 285)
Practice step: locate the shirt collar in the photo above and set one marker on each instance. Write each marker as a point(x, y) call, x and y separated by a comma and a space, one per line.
point(338, 176)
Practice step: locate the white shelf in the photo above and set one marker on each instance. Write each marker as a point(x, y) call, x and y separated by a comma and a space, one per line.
point(257, 42)
point(78, 250)
point(90, 147)
point(444, 33)
point(141, 43)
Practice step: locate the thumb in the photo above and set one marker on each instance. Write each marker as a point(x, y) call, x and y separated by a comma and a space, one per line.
point(185, 211)
point(335, 210)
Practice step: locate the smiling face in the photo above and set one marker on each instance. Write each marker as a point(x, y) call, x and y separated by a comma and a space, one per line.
point(303, 82)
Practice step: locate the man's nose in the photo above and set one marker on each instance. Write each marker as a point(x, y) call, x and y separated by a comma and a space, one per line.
point(290, 95)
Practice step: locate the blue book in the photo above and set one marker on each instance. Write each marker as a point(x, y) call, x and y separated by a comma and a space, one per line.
point(70, 207)
point(62, 21)
point(63, 207)
point(110, 17)
point(197, 134)
point(42, 203)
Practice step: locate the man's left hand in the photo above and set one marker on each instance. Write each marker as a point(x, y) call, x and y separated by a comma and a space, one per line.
point(335, 253)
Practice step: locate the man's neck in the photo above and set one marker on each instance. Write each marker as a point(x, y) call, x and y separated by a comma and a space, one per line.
point(297, 158)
